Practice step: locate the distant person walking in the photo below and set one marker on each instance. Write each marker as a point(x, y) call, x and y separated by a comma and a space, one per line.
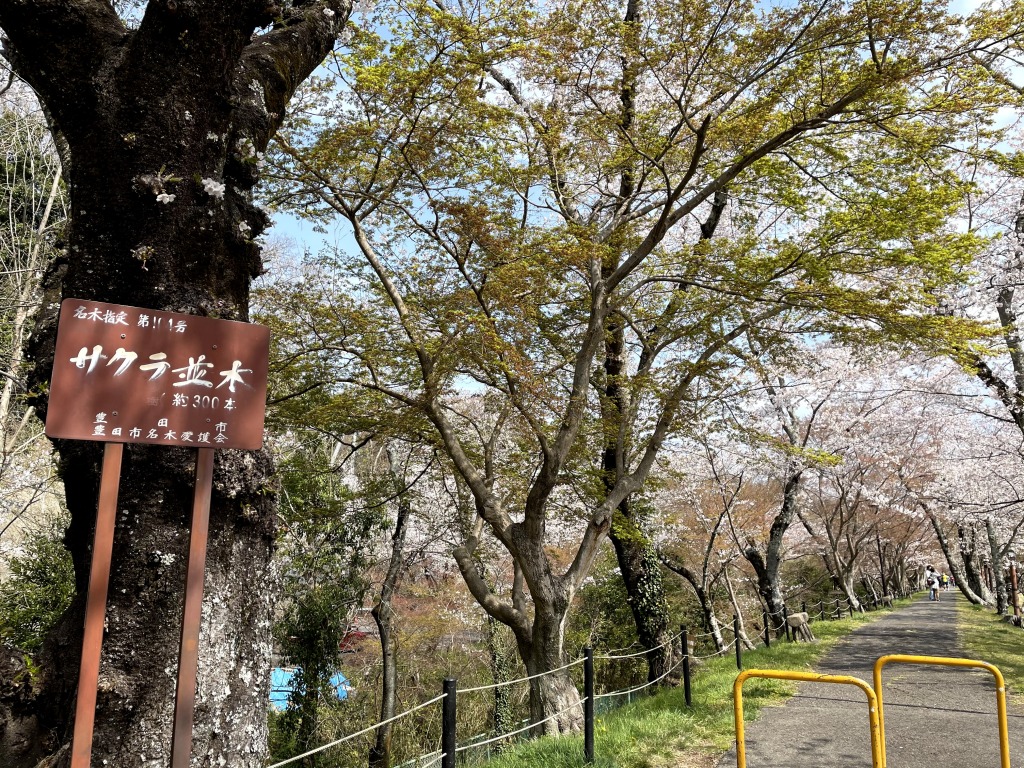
point(931, 581)
point(945, 582)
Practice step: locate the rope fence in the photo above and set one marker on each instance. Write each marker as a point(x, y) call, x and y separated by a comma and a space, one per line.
point(445, 757)
point(351, 736)
point(521, 679)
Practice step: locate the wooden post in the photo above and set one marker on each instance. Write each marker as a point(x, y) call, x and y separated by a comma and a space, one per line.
point(767, 630)
point(188, 660)
point(96, 606)
point(450, 688)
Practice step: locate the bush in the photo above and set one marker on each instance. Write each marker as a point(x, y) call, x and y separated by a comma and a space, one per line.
point(37, 591)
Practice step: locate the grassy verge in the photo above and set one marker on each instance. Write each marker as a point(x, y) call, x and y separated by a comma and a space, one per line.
point(661, 731)
point(986, 637)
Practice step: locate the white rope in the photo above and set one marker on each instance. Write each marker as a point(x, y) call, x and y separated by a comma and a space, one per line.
point(711, 634)
point(516, 732)
point(649, 683)
point(373, 727)
point(418, 762)
point(520, 680)
point(643, 652)
point(620, 650)
point(716, 653)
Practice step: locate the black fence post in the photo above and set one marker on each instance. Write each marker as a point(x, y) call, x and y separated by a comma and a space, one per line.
point(686, 667)
point(785, 622)
point(736, 639)
point(851, 608)
point(588, 706)
point(767, 630)
point(803, 607)
point(450, 687)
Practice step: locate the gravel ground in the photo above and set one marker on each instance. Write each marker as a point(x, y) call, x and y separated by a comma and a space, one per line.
point(935, 717)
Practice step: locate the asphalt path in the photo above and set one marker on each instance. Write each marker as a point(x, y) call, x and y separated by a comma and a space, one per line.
point(935, 717)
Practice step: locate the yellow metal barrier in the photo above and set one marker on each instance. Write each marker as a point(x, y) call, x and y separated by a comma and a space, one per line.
point(943, 661)
point(877, 741)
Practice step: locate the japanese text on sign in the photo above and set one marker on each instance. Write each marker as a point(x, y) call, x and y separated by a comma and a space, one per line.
point(128, 374)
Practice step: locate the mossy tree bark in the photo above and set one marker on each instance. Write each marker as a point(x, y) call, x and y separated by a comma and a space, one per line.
point(164, 124)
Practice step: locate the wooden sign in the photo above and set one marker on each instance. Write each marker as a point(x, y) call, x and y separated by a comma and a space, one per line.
point(132, 375)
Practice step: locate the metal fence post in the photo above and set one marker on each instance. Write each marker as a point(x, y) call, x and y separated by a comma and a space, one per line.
point(450, 687)
point(785, 621)
point(736, 639)
point(686, 667)
point(588, 706)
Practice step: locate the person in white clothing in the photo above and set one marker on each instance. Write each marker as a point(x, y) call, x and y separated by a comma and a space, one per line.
point(931, 581)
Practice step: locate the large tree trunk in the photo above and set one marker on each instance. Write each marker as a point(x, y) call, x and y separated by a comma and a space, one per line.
point(540, 638)
point(554, 698)
point(164, 123)
point(635, 553)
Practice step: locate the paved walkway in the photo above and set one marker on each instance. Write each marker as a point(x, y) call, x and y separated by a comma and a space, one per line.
point(935, 717)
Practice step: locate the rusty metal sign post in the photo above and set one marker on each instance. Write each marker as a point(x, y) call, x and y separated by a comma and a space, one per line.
point(131, 375)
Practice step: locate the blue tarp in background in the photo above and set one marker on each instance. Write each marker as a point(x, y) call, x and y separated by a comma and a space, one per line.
point(281, 686)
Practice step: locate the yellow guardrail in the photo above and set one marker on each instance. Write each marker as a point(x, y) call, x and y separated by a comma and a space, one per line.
point(877, 742)
point(944, 661)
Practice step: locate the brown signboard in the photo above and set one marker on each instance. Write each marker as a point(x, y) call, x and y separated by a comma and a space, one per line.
point(132, 375)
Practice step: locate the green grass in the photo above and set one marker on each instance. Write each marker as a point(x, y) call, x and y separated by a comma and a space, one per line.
point(661, 731)
point(986, 637)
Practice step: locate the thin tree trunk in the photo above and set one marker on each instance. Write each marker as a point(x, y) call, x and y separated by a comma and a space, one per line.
point(742, 638)
point(881, 564)
point(998, 574)
point(767, 565)
point(384, 616)
point(971, 578)
point(703, 598)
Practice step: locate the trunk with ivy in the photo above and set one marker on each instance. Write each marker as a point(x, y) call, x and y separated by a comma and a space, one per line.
point(163, 124)
point(634, 551)
point(502, 663)
point(641, 575)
